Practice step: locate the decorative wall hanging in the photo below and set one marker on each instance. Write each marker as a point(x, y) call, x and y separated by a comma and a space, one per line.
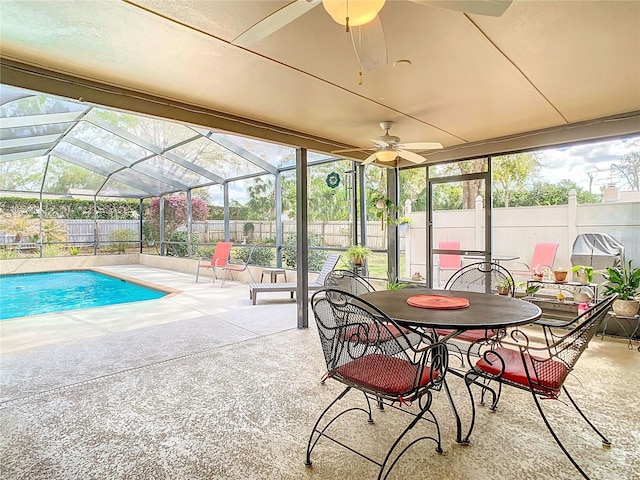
point(333, 181)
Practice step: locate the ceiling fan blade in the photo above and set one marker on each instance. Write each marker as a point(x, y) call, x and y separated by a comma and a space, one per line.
point(491, 8)
point(274, 22)
point(380, 143)
point(412, 157)
point(346, 150)
point(369, 159)
point(370, 44)
point(421, 146)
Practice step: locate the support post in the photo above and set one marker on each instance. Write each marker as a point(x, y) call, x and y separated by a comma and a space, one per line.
point(162, 252)
point(392, 230)
point(279, 229)
point(302, 245)
point(189, 224)
point(225, 193)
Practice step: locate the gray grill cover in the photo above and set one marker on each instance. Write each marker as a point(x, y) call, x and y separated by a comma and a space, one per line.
point(598, 250)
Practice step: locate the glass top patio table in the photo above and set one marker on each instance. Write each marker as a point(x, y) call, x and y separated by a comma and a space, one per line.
point(484, 310)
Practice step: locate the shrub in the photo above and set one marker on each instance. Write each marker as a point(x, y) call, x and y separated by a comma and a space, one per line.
point(6, 254)
point(73, 251)
point(177, 243)
point(261, 256)
point(54, 231)
point(51, 251)
point(124, 238)
point(316, 257)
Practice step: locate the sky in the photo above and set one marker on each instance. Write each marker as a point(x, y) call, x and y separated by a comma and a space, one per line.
point(577, 162)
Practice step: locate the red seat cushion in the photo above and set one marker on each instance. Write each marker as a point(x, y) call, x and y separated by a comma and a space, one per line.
point(373, 333)
point(549, 378)
point(468, 335)
point(382, 373)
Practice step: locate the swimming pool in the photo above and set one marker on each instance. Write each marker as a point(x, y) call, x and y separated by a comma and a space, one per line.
point(36, 293)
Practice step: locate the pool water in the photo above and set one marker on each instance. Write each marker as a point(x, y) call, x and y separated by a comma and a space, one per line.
point(36, 293)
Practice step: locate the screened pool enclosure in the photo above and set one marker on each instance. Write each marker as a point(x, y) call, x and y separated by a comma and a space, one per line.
point(82, 179)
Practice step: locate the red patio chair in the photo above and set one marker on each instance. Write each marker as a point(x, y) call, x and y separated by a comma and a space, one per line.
point(219, 259)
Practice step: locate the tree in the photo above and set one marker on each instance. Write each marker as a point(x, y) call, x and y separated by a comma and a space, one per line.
point(175, 212)
point(547, 193)
point(630, 170)
point(511, 172)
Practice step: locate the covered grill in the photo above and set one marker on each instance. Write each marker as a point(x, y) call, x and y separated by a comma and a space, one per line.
point(598, 250)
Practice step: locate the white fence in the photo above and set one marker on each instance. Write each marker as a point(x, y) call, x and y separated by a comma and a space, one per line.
point(517, 230)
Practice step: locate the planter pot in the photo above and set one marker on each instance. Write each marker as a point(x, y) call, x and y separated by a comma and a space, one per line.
point(503, 290)
point(582, 277)
point(403, 226)
point(560, 275)
point(626, 308)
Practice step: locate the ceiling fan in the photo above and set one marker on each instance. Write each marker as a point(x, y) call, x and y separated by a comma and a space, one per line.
point(368, 41)
point(388, 148)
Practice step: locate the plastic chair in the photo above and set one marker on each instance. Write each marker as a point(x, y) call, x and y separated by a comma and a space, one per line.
point(362, 353)
point(542, 371)
point(239, 267)
point(219, 259)
point(448, 261)
point(544, 254)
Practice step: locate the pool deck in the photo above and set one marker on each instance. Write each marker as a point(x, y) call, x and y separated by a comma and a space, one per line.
point(204, 385)
point(197, 317)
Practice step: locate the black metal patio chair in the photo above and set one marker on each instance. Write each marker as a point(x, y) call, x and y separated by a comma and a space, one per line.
point(363, 353)
point(480, 277)
point(347, 281)
point(540, 370)
point(351, 282)
point(554, 328)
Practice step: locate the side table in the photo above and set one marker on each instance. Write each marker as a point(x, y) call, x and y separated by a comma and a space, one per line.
point(635, 318)
point(273, 272)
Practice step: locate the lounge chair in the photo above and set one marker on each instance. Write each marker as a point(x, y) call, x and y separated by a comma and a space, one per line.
point(292, 287)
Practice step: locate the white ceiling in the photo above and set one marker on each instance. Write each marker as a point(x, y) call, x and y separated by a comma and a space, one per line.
point(541, 64)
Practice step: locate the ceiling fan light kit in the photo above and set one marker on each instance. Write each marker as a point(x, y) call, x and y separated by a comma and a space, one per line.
point(353, 12)
point(388, 148)
point(386, 155)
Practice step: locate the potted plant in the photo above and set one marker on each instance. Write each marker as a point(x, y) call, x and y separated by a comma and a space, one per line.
point(504, 286)
point(394, 284)
point(356, 254)
point(583, 273)
point(625, 281)
point(385, 208)
point(403, 222)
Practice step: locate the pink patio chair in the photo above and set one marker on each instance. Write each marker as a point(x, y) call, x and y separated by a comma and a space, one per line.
point(449, 261)
point(544, 254)
point(219, 259)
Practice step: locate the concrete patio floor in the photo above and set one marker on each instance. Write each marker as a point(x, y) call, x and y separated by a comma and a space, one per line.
point(204, 385)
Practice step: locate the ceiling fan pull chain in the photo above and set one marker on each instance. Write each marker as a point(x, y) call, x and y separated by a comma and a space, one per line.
point(346, 23)
point(360, 77)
